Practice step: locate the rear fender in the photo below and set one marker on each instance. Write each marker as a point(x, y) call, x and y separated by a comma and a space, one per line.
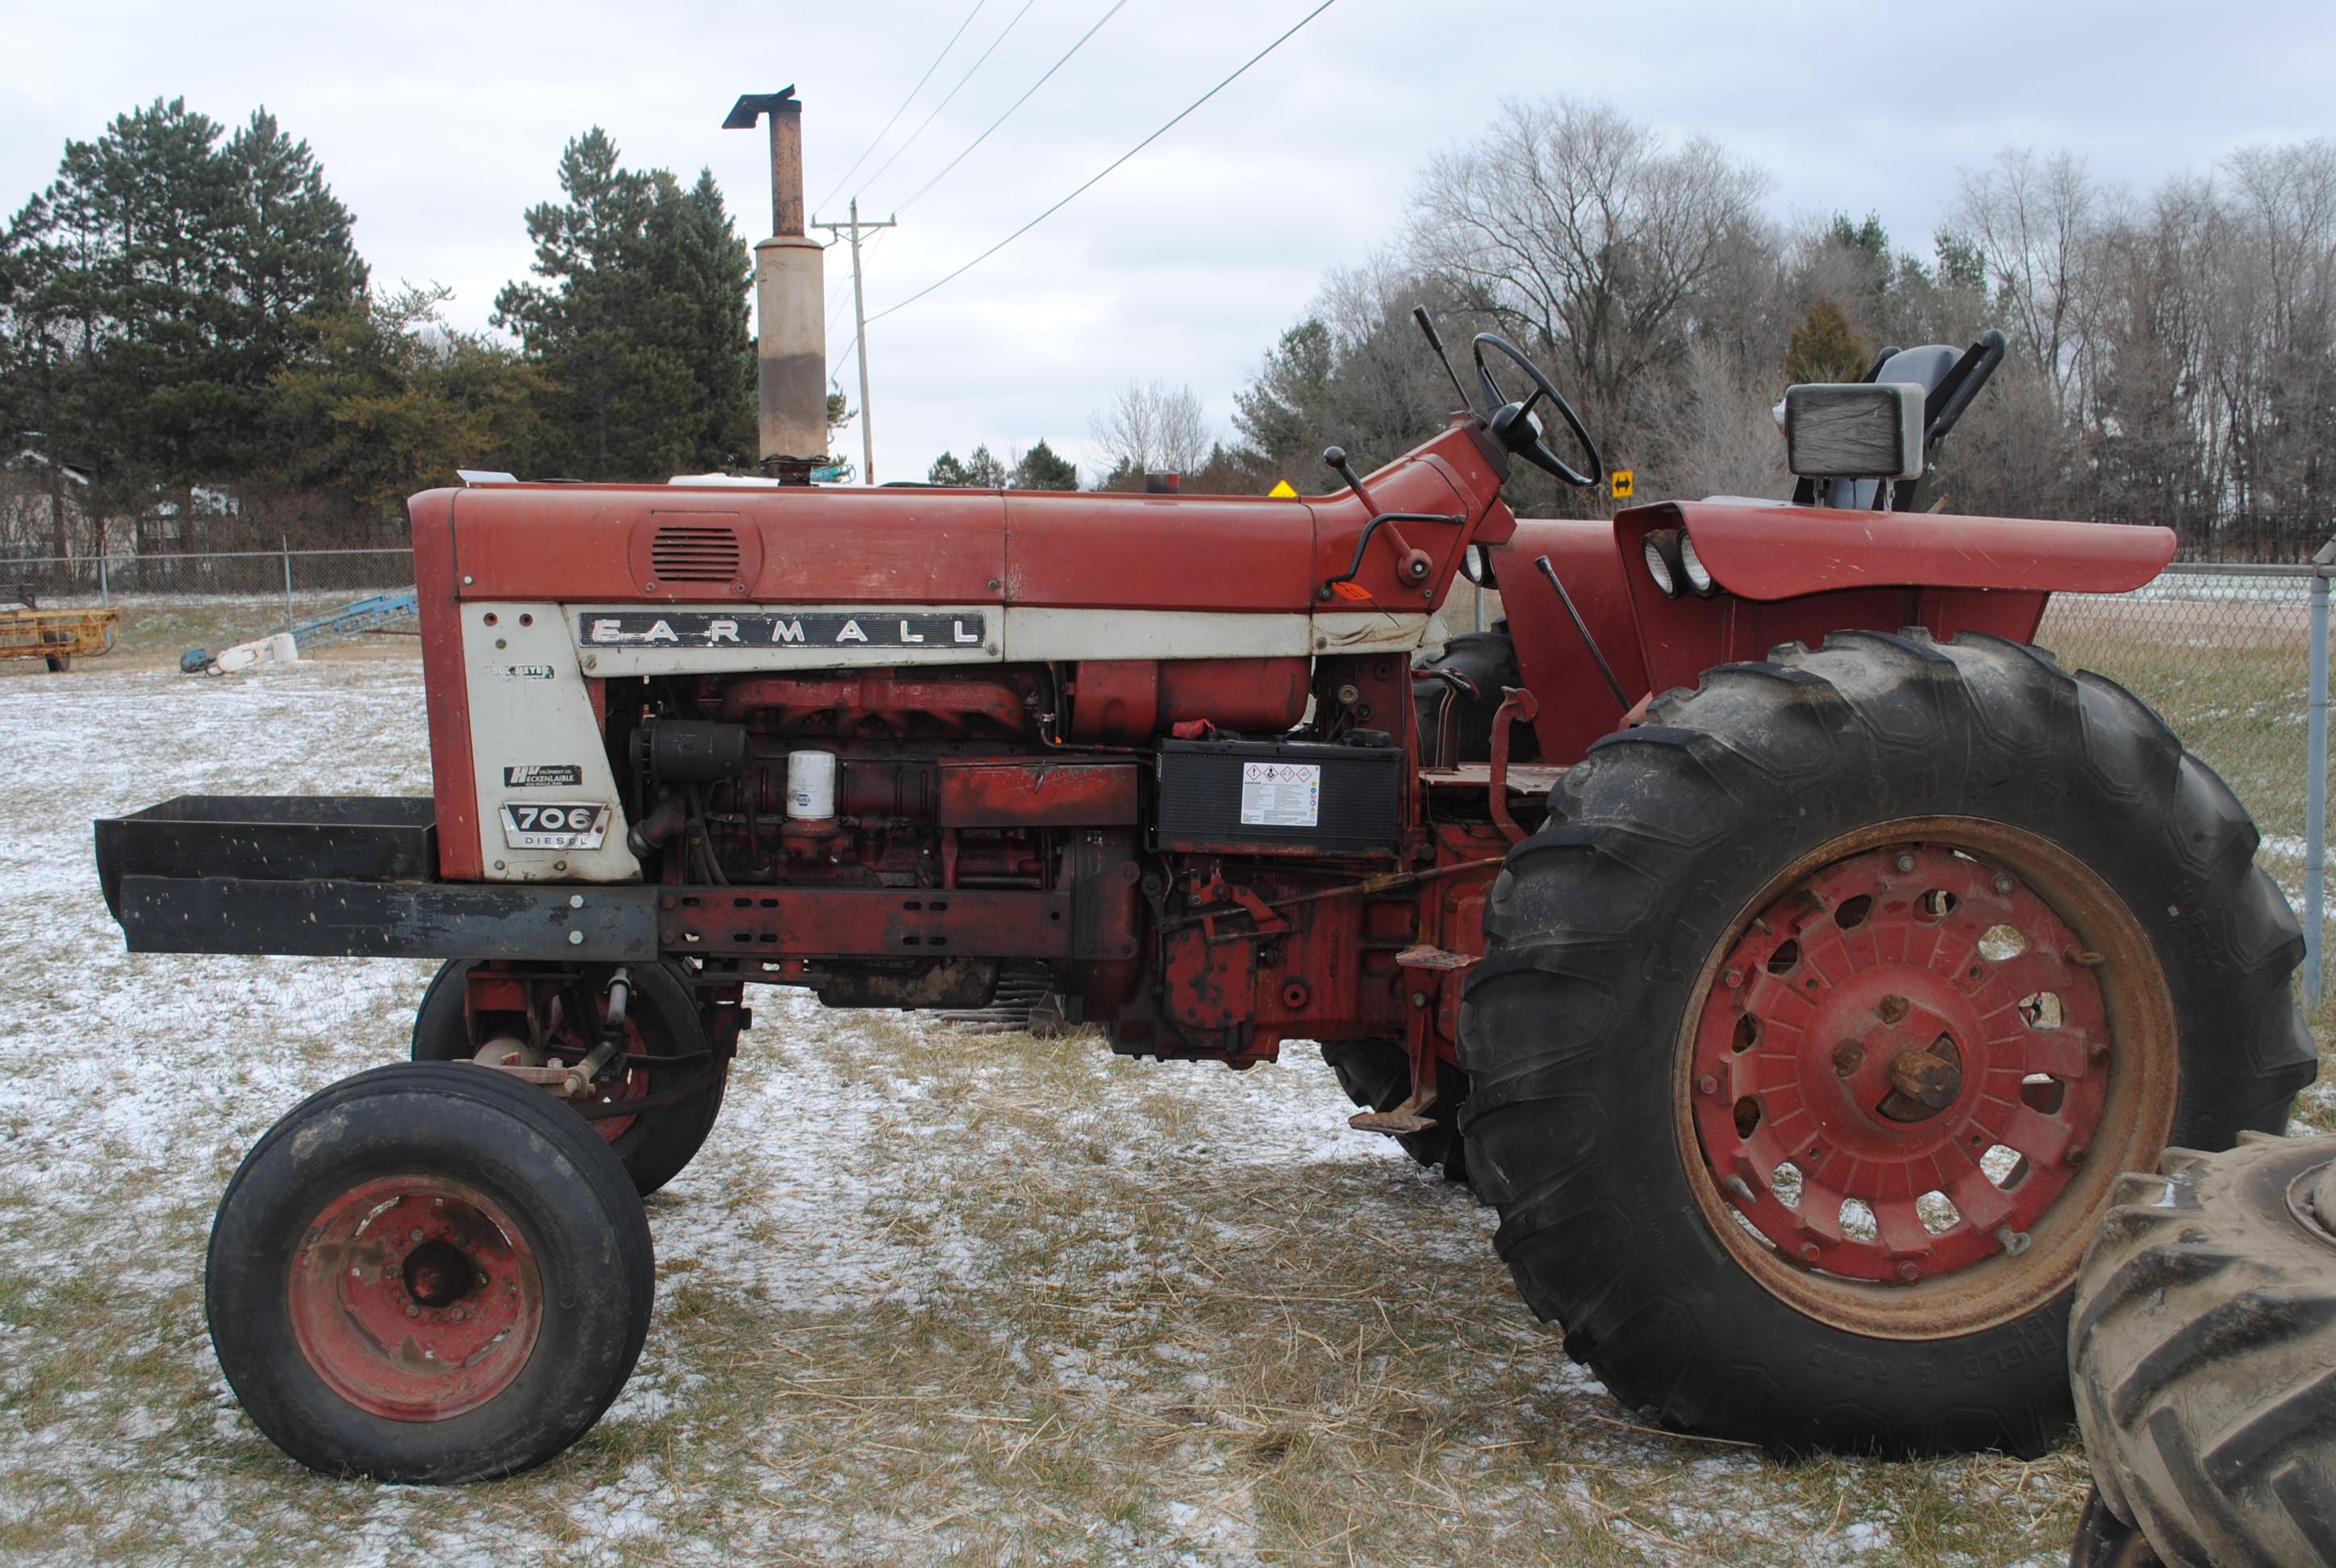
point(1782, 574)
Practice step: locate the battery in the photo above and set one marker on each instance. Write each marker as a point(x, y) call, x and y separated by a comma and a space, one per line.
point(1278, 796)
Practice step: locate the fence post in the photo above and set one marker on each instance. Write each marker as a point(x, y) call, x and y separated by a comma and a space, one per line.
point(286, 543)
point(104, 588)
point(2315, 783)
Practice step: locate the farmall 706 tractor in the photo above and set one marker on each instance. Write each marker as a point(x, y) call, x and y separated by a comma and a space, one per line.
point(1790, 951)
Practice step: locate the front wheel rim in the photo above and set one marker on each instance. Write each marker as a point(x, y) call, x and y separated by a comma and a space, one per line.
point(414, 1298)
point(1910, 1071)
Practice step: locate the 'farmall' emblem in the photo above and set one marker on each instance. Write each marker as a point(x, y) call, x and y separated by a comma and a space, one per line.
point(782, 628)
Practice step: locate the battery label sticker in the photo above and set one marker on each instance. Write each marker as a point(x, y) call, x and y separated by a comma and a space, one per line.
point(544, 775)
point(1281, 794)
point(555, 827)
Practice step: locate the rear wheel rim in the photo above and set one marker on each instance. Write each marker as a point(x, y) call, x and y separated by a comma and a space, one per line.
point(414, 1298)
point(1912, 1070)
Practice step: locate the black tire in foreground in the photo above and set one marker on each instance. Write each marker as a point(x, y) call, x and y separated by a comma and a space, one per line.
point(1377, 1076)
point(428, 1273)
point(1817, 1021)
point(2204, 1351)
point(1485, 662)
point(654, 1146)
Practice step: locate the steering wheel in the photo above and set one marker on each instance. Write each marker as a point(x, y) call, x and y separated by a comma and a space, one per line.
point(1513, 424)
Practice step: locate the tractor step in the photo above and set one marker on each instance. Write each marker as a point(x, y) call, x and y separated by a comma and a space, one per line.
point(1427, 956)
point(1394, 1123)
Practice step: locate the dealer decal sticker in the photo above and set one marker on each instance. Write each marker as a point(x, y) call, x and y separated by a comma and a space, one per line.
point(782, 628)
point(556, 827)
point(527, 672)
point(544, 775)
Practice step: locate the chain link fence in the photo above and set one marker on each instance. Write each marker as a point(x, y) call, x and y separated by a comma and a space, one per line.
point(269, 573)
point(170, 604)
point(2225, 651)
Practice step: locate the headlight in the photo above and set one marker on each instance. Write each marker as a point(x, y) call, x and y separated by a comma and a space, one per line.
point(1476, 566)
point(1661, 549)
point(1699, 577)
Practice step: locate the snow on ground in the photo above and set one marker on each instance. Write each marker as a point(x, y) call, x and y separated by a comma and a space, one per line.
point(925, 1296)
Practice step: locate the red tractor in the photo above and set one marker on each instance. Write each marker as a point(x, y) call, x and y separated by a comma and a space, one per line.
point(1793, 953)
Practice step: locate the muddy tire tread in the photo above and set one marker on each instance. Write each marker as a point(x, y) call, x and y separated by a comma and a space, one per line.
point(2202, 1356)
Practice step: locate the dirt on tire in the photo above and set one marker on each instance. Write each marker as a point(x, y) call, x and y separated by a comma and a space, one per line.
point(2203, 1354)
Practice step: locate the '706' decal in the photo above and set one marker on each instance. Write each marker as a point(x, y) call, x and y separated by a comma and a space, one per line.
point(555, 827)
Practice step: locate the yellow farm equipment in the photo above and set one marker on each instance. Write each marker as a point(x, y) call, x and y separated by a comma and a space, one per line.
point(27, 631)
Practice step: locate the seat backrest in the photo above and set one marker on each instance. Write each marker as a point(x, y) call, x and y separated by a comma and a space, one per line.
point(1927, 367)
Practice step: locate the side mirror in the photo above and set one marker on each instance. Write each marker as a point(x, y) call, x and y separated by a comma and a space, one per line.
point(1854, 430)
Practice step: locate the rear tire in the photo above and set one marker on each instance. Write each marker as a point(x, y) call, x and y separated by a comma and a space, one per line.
point(655, 1147)
point(2205, 1349)
point(481, 1340)
point(1377, 1076)
point(1631, 1129)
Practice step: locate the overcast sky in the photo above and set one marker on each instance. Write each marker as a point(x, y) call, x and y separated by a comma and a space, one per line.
point(438, 124)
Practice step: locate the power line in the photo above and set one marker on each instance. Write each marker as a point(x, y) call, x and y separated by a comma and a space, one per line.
point(944, 103)
point(1010, 108)
point(904, 109)
point(1114, 164)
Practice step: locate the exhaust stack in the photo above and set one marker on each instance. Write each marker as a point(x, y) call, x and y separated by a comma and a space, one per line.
point(790, 302)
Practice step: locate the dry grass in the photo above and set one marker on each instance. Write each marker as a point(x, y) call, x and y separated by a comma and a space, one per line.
point(926, 1296)
point(1038, 1305)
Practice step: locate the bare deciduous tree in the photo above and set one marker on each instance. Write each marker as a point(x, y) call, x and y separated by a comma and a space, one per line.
point(2039, 225)
point(1151, 427)
point(1579, 229)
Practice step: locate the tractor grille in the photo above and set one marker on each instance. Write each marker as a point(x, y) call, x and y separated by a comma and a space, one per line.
point(685, 552)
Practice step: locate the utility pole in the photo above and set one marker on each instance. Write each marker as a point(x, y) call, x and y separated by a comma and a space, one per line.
point(860, 321)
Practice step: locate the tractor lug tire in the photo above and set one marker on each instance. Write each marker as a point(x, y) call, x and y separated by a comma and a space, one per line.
point(1671, 848)
point(328, 1314)
point(2205, 1354)
point(654, 1148)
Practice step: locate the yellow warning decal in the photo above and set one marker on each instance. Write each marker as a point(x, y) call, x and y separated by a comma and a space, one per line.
point(1283, 490)
point(1621, 481)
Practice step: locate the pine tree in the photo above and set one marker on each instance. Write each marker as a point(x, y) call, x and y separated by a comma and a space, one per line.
point(980, 470)
point(159, 286)
point(1277, 415)
point(1824, 349)
point(639, 324)
point(1043, 468)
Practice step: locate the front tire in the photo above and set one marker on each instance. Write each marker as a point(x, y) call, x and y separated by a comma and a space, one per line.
point(1817, 1021)
point(428, 1273)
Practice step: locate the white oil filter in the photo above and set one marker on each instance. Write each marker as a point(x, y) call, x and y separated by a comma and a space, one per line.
point(811, 785)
